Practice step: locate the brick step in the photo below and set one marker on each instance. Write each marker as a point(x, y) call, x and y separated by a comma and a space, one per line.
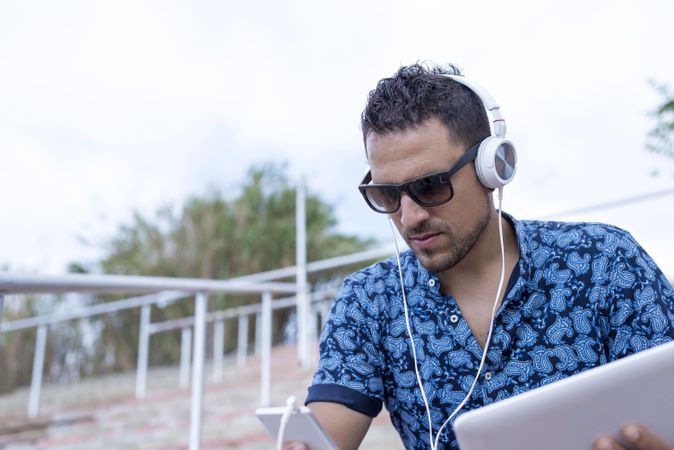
point(103, 413)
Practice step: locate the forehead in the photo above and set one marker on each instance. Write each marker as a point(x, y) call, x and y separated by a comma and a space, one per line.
point(400, 155)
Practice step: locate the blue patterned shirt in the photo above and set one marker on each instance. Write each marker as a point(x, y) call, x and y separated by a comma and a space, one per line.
point(582, 294)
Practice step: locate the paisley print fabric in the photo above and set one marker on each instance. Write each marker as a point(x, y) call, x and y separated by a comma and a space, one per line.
point(582, 294)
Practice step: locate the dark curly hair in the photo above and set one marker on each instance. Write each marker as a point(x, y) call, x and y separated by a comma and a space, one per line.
point(419, 92)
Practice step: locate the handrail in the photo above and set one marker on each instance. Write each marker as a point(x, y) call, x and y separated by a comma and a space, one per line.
point(152, 290)
point(93, 310)
point(317, 266)
point(13, 283)
point(236, 311)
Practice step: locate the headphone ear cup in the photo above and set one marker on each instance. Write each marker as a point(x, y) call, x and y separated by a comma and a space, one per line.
point(496, 162)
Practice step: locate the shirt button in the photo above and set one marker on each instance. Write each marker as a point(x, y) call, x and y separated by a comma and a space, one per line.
point(487, 376)
point(453, 318)
point(431, 282)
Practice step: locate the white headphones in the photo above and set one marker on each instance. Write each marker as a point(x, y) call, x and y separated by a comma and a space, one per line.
point(496, 161)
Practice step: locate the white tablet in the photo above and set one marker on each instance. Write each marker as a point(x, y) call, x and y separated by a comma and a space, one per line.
point(574, 412)
point(302, 426)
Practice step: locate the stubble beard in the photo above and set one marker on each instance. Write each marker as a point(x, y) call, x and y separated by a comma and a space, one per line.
point(437, 261)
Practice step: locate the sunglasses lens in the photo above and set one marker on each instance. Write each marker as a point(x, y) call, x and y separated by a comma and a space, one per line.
point(432, 190)
point(382, 198)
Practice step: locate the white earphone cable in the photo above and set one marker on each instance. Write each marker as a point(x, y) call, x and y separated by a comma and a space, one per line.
point(409, 333)
point(491, 321)
point(290, 409)
point(434, 442)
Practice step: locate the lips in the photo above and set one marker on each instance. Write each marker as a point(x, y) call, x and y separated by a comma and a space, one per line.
point(424, 240)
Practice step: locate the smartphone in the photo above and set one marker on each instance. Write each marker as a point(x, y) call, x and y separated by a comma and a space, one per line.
point(302, 426)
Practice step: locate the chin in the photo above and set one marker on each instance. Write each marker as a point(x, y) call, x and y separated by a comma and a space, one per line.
point(438, 263)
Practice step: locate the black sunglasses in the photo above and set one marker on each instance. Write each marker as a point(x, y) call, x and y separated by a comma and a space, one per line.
point(428, 190)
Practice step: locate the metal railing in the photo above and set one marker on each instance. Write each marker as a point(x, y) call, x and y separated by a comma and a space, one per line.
point(162, 290)
point(113, 284)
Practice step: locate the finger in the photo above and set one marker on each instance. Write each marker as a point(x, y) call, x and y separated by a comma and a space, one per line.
point(606, 443)
point(642, 439)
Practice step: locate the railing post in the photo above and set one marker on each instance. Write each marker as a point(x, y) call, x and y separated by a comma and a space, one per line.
point(303, 302)
point(313, 323)
point(185, 356)
point(265, 364)
point(258, 334)
point(143, 347)
point(38, 364)
point(242, 341)
point(324, 311)
point(218, 349)
point(200, 308)
point(2, 309)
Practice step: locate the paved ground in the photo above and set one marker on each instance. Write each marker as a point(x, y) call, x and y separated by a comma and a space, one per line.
point(102, 413)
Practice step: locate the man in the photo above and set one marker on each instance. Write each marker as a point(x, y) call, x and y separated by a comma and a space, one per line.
point(574, 296)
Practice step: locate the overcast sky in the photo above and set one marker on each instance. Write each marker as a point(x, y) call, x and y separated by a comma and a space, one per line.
point(111, 107)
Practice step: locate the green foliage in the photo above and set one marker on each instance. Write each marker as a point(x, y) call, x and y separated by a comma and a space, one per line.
point(209, 237)
point(213, 237)
point(660, 137)
point(16, 349)
point(219, 238)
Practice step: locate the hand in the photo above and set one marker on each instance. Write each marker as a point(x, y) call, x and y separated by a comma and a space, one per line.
point(636, 437)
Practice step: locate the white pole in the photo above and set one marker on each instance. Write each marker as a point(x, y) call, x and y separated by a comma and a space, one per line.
point(38, 364)
point(242, 341)
point(313, 326)
point(265, 365)
point(258, 334)
point(218, 349)
point(324, 311)
point(200, 307)
point(303, 304)
point(2, 309)
point(185, 356)
point(143, 351)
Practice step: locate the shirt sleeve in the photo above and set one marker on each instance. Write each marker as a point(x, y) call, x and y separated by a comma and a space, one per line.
point(641, 313)
point(349, 369)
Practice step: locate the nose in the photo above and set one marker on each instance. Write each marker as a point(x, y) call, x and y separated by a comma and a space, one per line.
point(411, 213)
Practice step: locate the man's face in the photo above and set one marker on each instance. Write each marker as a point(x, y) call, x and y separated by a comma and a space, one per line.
point(442, 235)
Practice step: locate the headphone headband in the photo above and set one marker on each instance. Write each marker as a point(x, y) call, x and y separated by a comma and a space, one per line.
point(488, 102)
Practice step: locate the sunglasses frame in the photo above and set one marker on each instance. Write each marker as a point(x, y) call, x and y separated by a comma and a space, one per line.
point(365, 185)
